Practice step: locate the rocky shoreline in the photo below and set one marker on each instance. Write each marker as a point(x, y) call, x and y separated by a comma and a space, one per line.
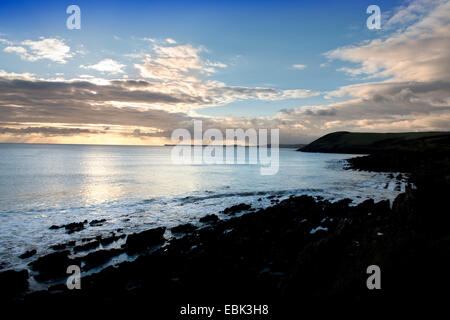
point(300, 249)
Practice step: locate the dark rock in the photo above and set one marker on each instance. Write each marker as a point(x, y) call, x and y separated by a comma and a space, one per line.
point(53, 265)
point(184, 228)
point(109, 240)
point(366, 205)
point(27, 254)
point(382, 207)
point(209, 218)
point(97, 258)
point(87, 246)
point(13, 282)
point(74, 227)
point(60, 246)
point(237, 208)
point(94, 223)
point(145, 239)
point(70, 227)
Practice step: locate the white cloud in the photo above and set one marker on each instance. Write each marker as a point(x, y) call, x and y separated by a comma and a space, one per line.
point(181, 69)
point(170, 41)
point(418, 53)
point(52, 49)
point(412, 12)
point(149, 39)
point(13, 75)
point(299, 66)
point(106, 66)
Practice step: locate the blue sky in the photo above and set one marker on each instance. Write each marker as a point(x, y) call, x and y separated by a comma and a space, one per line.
point(259, 42)
point(244, 35)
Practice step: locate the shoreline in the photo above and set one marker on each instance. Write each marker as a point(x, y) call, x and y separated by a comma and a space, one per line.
point(300, 248)
point(143, 216)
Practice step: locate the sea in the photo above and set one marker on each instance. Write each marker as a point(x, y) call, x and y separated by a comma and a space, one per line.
point(135, 188)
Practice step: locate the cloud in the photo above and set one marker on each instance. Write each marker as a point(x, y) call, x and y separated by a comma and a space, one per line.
point(181, 68)
point(418, 53)
point(51, 48)
point(166, 63)
point(411, 12)
point(409, 90)
point(170, 41)
point(13, 75)
point(415, 92)
point(149, 39)
point(106, 66)
point(46, 131)
point(299, 66)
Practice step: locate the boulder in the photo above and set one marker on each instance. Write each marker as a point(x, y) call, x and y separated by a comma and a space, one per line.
point(145, 239)
point(209, 218)
point(184, 228)
point(53, 265)
point(27, 254)
point(237, 208)
point(95, 223)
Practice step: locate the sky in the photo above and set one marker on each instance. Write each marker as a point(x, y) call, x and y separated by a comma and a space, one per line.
point(137, 70)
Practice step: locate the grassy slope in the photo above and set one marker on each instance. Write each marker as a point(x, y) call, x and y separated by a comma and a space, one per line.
point(356, 142)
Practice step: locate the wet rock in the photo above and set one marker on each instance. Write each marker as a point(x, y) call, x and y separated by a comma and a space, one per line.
point(343, 203)
point(382, 207)
point(70, 227)
point(237, 208)
point(53, 265)
point(74, 227)
point(97, 258)
point(87, 246)
point(108, 240)
point(366, 205)
point(145, 239)
point(27, 254)
point(60, 246)
point(184, 228)
point(13, 282)
point(95, 223)
point(209, 218)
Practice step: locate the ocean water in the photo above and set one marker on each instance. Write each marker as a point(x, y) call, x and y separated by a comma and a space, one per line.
point(136, 188)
